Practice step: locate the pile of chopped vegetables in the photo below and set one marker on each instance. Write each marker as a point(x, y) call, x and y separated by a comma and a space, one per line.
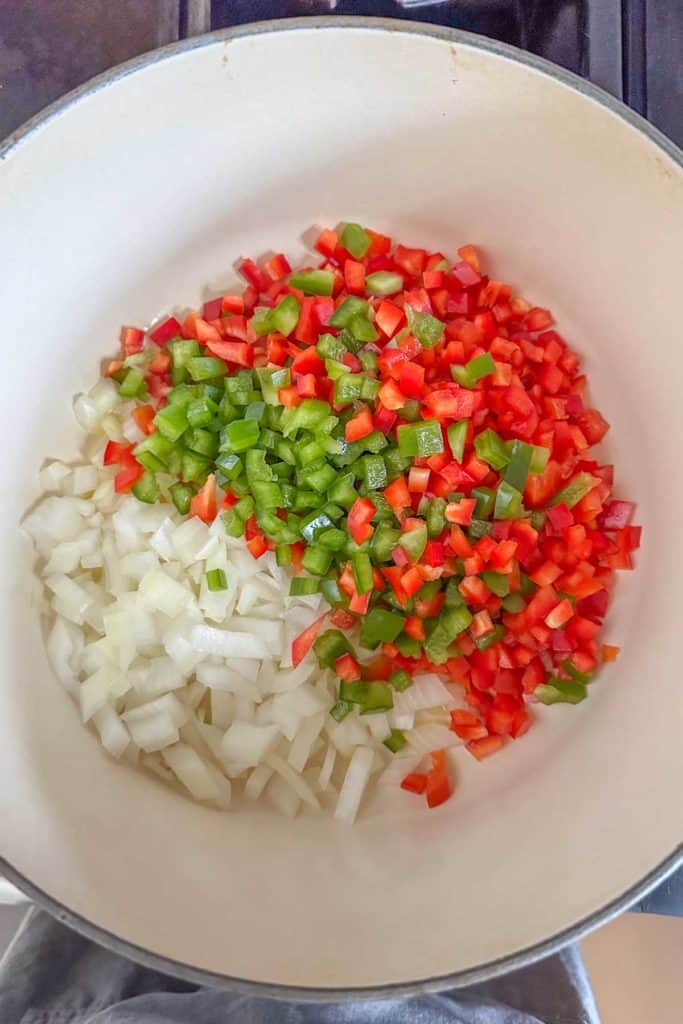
point(407, 446)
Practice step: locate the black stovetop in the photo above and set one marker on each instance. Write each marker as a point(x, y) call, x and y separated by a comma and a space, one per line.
point(633, 48)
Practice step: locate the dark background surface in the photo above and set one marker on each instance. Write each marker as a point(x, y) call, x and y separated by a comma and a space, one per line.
point(632, 48)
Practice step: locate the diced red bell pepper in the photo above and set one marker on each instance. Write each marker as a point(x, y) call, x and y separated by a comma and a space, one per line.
point(277, 267)
point(203, 503)
point(129, 474)
point(410, 261)
point(354, 277)
point(144, 418)
point(465, 273)
point(302, 644)
point(461, 512)
point(115, 452)
point(161, 363)
point(308, 327)
point(415, 782)
point(474, 590)
point(306, 385)
point(447, 404)
point(500, 718)
point(428, 607)
point(467, 726)
point(342, 619)
point(167, 329)
point(237, 352)
point(411, 379)
point(257, 545)
point(398, 495)
point(412, 580)
point(255, 275)
point(384, 419)
point(231, 304)
point(358, 522)
point(546, 574)
point(289, 397)
point(391, 396)
point(483, 748)
point(438, 788)
point(132, 340)
point(538, 319)
point(414, 628)
point(327, 242)
point(481, 624)
point(418, 479)
point(359, 426)
point(308, 361)
point(389, 318)
point(560, 614)
point(347, 668)
point(616, 515)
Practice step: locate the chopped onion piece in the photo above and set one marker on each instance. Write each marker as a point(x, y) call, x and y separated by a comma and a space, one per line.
point(355, 781)
point(192, 771)
point(248, 744)
point(113, 733)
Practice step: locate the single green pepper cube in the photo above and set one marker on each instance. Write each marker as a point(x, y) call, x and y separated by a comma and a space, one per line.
point(355, 240)
point(216, 580)
point(241, 435)
point(423, 438)
point(313, 282)
point(380, 626)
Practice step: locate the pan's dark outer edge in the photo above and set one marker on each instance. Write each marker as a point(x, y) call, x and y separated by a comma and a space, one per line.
point(522, 957)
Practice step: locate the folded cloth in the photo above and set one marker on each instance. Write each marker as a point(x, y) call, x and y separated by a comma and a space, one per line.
point(52, 975)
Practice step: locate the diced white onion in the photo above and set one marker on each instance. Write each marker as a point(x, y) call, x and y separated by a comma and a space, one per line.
point(196, 685)
point(249, 744)
point(355, 781)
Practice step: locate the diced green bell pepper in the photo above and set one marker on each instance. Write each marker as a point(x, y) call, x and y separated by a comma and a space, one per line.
point(313, 282)
point(517, 469)
point(361, 567)
point(380, 626)
point(457, 434)
point(352, 306)
point(561, 691)
point(301, 586)
point(172, 422)
point(414, 542)
point(423, 438)
point(508, 502)
point(514, 603)
point(240, 435)
point(383, 282)
point(395, 741)
point(340, 710)
point(400, 680)
point(216, 580)
point(473, 371)
point(146, 488)
point(486, 500)
point(133, 384)
point(497, 582)
point(491, 448)
point(377, 697)
point(329, 646)
point(181, 496)
point(577, 488)
point(355, 240)
point(427, 329)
